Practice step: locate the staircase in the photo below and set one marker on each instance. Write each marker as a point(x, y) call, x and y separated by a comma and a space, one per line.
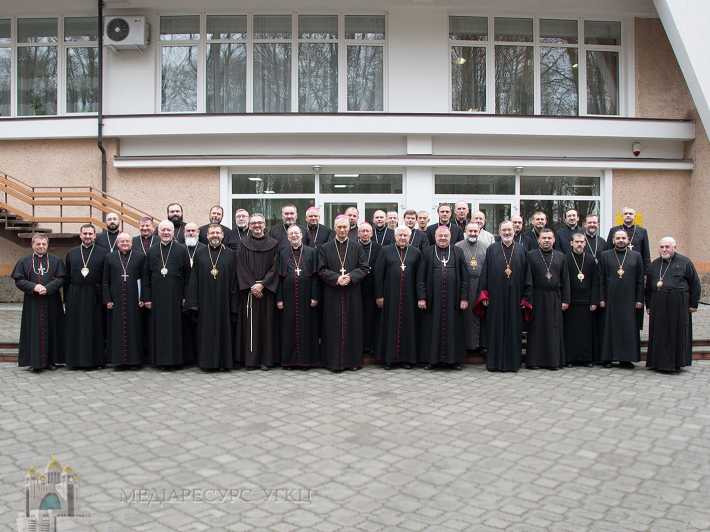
point(26, 210)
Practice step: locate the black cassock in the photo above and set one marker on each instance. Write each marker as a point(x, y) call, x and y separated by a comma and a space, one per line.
point(341, 342)
point(280, 233)
point(442, 338)
point(165, 293)
point(189, 327)
point(202, 237)
point(545, 346)
point(144, 244)
point(125, 331)
point(370, 312)
point(596, 245)
point(563, 238)
point(42, 327)
point(85, 315)
point(457, 234)
point(400, 317)
point(580, 324)
point(504, 316)
point(257, 339)
point(621, 340)
point(638, 241)
point(235, 237)
point(315, 237)
point(299, 320)
point(107, 240)
point(670, 331)
point(212, 302)
point(383, 237)
point(531, 240)
point(419, 239)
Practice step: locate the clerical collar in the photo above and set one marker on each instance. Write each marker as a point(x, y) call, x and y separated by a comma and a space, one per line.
point(363, 243)
point(38, 256)
point(341, 241)
point(546, 252)
point(573, 227)
point(297, 247)
point(580, 253)
point(113, 232)
point(163, 243)
point(591, 236)
point(87, 247)
point(124, 252)
point(508, 245)
point(215, 247)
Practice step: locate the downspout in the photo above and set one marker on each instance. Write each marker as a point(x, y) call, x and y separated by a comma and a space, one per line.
point(101, 102)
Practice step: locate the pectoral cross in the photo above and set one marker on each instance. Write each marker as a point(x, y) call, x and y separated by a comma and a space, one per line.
point(403, 267)
point(631, 247)
point(444, 261)
point(41, 270)
point(298, 271)
point(125, 275)
point(342, 270)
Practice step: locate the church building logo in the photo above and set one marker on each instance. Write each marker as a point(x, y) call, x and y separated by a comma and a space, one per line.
point(52, 501)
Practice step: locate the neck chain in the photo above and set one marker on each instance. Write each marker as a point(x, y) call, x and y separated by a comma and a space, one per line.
point(580, 275)
point(178, 231)
point(214, 271)
point(124, 268)
point(315, 235)
point(384, 235)
point(403, 258)
point(369, 249)
point(660, 281)
point(296, 260)
point(596, 245)
point(85, 269)
point(443, 261)
point(548, 275)
point(193, 254)
point(630, 246)
point(108, 239)
point(342, 259)
point(520, 238)
point(621, 264)
point(507, 270)
point(473, 255)
point(164, 271)
point(239, 233)
point(42, 269)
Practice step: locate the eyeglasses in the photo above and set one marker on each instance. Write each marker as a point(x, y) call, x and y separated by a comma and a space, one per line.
point(256, 223)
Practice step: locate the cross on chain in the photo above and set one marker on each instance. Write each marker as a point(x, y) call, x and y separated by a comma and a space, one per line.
point(124, 275)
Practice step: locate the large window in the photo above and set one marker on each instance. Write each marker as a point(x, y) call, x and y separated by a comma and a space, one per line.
point(82, 64)
point(527, 66)
point(546, 194)
point(272, 63)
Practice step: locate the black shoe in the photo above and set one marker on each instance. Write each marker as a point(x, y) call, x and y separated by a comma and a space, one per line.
point(387, 366)
point(72, 368)
point(568, 365)
point(405, 365)
point(222, 369)
point(206, 370)
point(99, 367)
point(532, 367)
point(135, 367)
point(288, 368)
point(589, 365)
point(627, 365)
point(428, 366)
point(352, 369)
point(553, 369)
point(36, 370)
point(119, 368)
point(264, 367)
point(334, 370)
point(607, 364)
point(252, 368)
point(456, 367)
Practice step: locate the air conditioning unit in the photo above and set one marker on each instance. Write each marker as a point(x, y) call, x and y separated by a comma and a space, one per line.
point(121, 33)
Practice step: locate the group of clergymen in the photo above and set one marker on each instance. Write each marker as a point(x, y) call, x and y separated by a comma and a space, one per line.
point(303, 296)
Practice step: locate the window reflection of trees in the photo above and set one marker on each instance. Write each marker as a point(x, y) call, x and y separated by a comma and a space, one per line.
point(37, 77)
point(318, 77)
point(179, 78)
point(468, 78)
point(5, 77)
point(365, 75)
point(602, 83)
point(82, 80)
point(559, 81)
point(272, 77)
point(514, 76)
point(226, 78)
point(555, 210)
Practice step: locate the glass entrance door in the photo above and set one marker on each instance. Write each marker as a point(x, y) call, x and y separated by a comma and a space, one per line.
point(496, 210)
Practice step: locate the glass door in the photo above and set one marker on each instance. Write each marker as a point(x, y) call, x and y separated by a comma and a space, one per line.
point(495, 209)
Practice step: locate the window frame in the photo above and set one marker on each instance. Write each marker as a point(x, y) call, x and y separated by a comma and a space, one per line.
point(582, 50)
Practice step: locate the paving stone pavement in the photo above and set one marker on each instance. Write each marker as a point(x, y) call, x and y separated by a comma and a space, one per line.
point(572, 450)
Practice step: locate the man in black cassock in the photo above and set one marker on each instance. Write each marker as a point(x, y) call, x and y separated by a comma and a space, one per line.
point(672, 295)
point(548, 269)
point(447, 285)
point(621, 279)
point(125, 333)
point(342, 264)
point(636, 235)
point(297, 298)
point(316, 234)
point(257, 340)
point(474, 256)
point(417, 239)
point(107, 239)
point(241, 229)
point(382, 234)
point(580, 324)
point(519, 236)
point(400, 292)
point(85, 317)
point(461, 211)
point(212, 301)
point(370, 312)
point(289, 215)
point(40, 276)
point(189, 326)
point(423, 221)
point(532, 236)
point(504, 300)
point(166, 273)
point(444, 213)
point(352, 215)
point(146, 239)
point(216, 215)
point(175, 215)
point(595, 246)
point(563, 237)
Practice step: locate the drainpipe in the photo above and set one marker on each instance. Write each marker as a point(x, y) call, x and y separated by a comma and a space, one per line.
point(101, 102)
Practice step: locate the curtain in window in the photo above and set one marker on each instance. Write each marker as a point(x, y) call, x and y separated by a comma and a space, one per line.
point(82, 80)
point(180, 28)
point(5, 76)
point(317, 78)
point(272, 77)
point(371, 27)
point(317, 26)
point(226, 78)
point(514, 80)
point(272, 26)
point(36, 79)
point(226, 26)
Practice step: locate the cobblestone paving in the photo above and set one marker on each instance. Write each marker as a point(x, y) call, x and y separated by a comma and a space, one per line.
point(572, 450)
